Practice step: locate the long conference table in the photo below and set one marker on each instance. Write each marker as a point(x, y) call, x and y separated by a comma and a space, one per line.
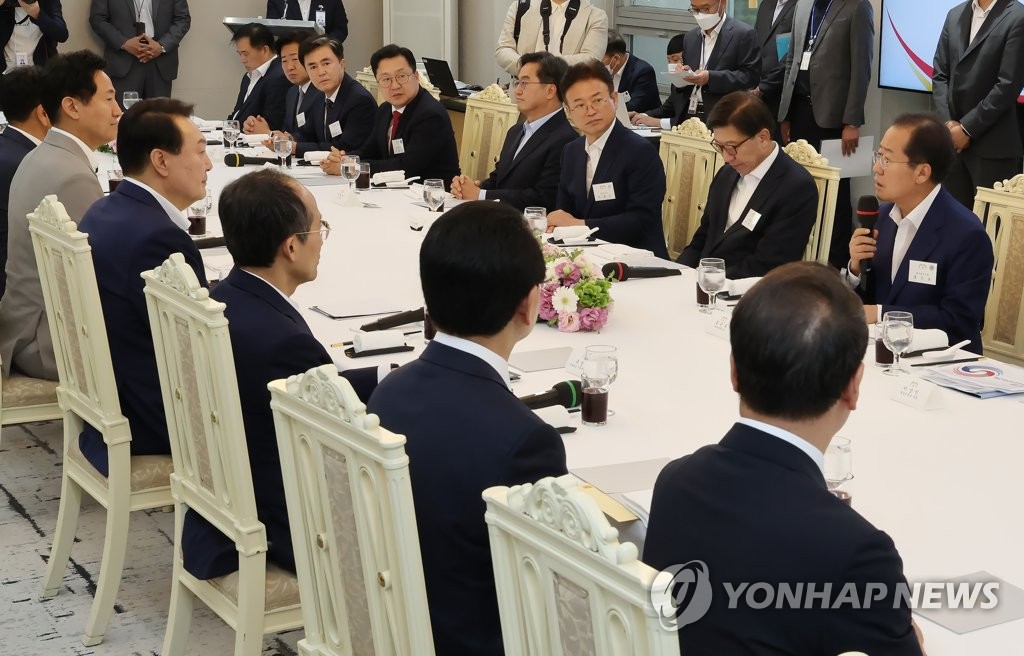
point(942, 483)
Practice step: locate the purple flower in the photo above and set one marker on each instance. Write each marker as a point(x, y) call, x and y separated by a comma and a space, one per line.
point(592, 319)
point(569, 322)
point(546, 312)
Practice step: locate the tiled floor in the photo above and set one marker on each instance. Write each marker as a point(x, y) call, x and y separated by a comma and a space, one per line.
point(30, 469)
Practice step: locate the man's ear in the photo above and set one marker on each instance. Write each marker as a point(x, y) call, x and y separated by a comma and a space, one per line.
point(732, 374)
point(851, 394)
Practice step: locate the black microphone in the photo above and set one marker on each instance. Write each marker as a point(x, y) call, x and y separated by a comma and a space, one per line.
point(568, 393)
point(394, 320)
point(622, 271)
point(237, 159)
point(867, 215)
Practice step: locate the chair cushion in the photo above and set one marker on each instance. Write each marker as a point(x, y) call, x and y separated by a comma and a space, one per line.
point(21, 391)
point(282, 588)
point(147, 471)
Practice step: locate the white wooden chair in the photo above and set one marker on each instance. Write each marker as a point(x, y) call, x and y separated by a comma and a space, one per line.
point(87, 393)
point(826, 178)
point(24, 399)
point(1001, 209)
point(365, 77)
point(352, 520)
point(211, 464)
point(690, 164)
point(566, 586)
point(489, 115)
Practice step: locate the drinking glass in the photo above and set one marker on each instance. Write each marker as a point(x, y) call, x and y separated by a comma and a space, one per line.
point(350, 170)
point(897, 334)
point(282, 148)
point(114, 178)
point(536, 218)
point(363, 181)
point(433, 193)
point(711, 278)
point(197, 212)
point(231, 130)
point(600, 368)
point(838, 466)
point(129, 99)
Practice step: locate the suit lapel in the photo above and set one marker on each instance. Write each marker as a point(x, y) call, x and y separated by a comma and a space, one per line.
point(603, 164)
point(837, 6)
point(764, 189)
point(263, 290)
point(716, 226)
point(508, 150)
point(994, 18)
point(535, 142)
point(921, 246)
point(721, 45)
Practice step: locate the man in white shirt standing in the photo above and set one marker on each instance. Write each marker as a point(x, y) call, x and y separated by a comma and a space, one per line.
point(30, 32)
point(572, 29)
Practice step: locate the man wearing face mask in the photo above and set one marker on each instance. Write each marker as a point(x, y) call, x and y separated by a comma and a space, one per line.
point(723, 55)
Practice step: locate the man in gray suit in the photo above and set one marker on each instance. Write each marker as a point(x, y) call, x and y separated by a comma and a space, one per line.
point(828, 70)
point(141, 39)
point(774, 27)
point(79, 99)
point(979, 72)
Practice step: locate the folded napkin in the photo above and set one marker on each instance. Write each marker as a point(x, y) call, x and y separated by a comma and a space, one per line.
point(316, 155)
point(203, 124)
point(376, 339)
point(741, 286)
point(555, 415)
point(254, 139)
point(928, 339)
point(572, 232)
point(384, 177)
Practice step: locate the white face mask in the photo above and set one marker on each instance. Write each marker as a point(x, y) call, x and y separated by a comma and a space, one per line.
point(707, 21)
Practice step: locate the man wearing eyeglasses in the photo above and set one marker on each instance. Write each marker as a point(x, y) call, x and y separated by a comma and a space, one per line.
point(612, 179)
point(412, 131)
point(928, 255)
point(762, 206)
point(531, 159)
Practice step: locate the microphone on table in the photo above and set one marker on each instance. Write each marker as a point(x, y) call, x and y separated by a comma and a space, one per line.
point(394, 320)
point(622, 271)
point(568, 394)
point(867, 215)
point(237, 159)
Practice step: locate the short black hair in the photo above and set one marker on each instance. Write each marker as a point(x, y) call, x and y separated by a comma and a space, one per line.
point(550, 69)
point(477, 263)
point(258, 211)
point(259, 35)
point(798, 337)
point(616, 44)
point(591, 70)
point(311, 44)
point(294, 36)
point(389, 51)
point(70, 75)
point(146, 126)
point(743, 111)
point(675, 44)
point(930, 143)
point(21, 92)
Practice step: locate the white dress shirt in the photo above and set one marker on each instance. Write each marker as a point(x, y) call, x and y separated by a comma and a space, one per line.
point(144, 14)
point(89, 153)
point(256, 74)
point(812, 451)
point(556, 23)
point(25, 134)
point(176, 215)
point(708, 47)
point(495, 361)
point(778, 10)
point(617, 76)
point(303, 7)
point(594, 151)
point(747, 185)
point(25, 38)
point(529, 129)
point(978, 18)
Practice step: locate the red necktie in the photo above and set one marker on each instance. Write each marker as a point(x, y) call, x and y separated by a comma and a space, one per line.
point(396, 116)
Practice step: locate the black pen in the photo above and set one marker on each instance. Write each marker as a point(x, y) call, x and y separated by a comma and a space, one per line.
point(935, 364)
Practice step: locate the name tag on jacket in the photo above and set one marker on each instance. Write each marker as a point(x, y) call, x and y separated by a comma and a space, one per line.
point(604, 191)
point(925, 273)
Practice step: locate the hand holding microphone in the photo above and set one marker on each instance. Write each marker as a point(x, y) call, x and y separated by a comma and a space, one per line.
point(863, 244)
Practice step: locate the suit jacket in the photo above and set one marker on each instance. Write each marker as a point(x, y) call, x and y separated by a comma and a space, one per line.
point(269, 340)
point(427, 134)
point(466, 432)
point(734, 64)
point(13, 148)
point(267, 98)
point(58, 166)
point(633, 167)
point(113, 21)
point(674, 107)
point(639, 81)
point(773, 70)
point(953, 238)
point(787, 200)
point(754, 490)
point(336, 19)
point(531, 178)
point(586, 39)
point(50, 22)
point(130, 233)
point(354, 110)
point(978, 84)
point(840, 70)
point(292, 108)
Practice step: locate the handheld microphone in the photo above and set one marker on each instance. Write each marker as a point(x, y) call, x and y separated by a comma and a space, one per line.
point(394, 320)
point(622, 271)
point(867, 215)
point(568, 394)
point(237, 159)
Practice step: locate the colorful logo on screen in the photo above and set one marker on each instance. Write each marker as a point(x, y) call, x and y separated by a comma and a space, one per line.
point(977, 371)
point(921, 69)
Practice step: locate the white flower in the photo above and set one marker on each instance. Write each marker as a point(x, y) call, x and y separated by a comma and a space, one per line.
point(564, 300)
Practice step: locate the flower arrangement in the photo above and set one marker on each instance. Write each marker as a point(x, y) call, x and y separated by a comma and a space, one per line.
point(574, 295)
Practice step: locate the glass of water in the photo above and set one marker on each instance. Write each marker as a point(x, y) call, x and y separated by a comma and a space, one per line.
point(282, 148)
point(434, 193)
point(536, 218)
point(838, 466)
point(711, 278)
point(350, 170)
point(897, 334)
point(231, 130)
point(129, 99)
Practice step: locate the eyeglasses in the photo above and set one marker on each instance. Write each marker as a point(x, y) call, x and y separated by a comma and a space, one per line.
point(401, 78)
point(728, 149)
point(518, 84)
point(325, 231)
point(593, 104)
point(705, 9)
point(883, 162)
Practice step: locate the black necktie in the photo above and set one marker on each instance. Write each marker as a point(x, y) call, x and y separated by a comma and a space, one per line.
point(327, 112)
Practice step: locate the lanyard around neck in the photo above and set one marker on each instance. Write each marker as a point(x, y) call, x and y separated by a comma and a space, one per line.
point(821, 21)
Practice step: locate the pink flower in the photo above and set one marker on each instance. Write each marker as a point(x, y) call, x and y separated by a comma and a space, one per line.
point(546, 312)
point(569, 273)
point(593, 318)
point(569, 322)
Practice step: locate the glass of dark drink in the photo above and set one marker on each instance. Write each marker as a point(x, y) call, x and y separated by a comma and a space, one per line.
point(600, 368)
point(197, 216)
point(703, 300)
point(363, 181)
point(114, 178)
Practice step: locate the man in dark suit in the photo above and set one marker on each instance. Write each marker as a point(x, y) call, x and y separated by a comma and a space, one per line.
point(828, 70)
point(134, 229)
point(663, 116)
point(21, 103)
point(762, 205)
point(979, 73)
point(141, 40)
point(274, 232)
point(763, 485)
point(633, 77)
point(466, 431)
point(412, 131)
point(300, 98)
point(530, 164)
point(774, 27)
point(264, 87)
point(930, 255)
point(343, 112)
point(611, 178)
point(30, 32)
point(328, 14)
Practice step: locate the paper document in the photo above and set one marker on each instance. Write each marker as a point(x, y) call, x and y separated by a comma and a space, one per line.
point(638, 503)
point(623, 477)
point(678, 79)
point(355, 308)
point(857, 165)
point(542, 360)
point(984, 379)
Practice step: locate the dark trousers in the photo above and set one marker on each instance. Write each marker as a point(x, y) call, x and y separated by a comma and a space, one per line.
point(144, 79)
point(969, 173)
point(803, 126)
